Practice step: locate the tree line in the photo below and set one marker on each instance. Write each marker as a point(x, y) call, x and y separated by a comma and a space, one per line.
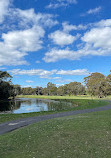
point(96, 84)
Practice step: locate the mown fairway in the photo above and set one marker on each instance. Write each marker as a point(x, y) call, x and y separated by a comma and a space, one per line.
point(81, 136)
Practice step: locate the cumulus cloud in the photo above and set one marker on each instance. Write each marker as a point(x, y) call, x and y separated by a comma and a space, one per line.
point(99, 38)
point(103, 23)
point(95, 42)
point(26, 40)
point(4, 6)
point(57, 54)
point(68, 27)
point(10, 56)
point(61, 38)
point(29, 17)
point(61, 3)
point(23, 37)
point(16, 44)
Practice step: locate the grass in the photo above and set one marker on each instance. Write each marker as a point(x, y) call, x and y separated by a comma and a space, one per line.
point(57, 97)
point(64, 97)
point(77, 104)
point(79, 136)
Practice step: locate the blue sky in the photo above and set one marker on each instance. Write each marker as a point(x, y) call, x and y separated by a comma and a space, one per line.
point(57, 41)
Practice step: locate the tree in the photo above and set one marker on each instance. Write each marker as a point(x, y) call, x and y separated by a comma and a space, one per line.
point(6, 88)
point(60, 91)
point(28, 91)
point(39, 91)
point(76, 88)
point(96, 84)
point(73, 88)
point(52, 89)
point(17, 89)
point(108, 79)
point(4, 76)
point(45, 91)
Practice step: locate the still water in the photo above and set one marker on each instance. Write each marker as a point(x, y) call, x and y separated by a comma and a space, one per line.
point(27, 105)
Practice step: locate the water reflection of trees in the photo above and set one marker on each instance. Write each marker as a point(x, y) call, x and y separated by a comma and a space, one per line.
point(57, 106)
point(44, 105)
point(9, 105)
point(27, 102)
point(54, 105)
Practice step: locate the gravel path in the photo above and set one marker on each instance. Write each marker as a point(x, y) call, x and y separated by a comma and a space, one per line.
point(13, 125)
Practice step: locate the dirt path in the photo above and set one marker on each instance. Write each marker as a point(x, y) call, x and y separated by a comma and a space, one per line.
point(13, 125)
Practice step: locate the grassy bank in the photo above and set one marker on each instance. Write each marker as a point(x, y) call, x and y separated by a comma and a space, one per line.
point(77, 104)
point(64, 97)
point(57, 97)
point(81, 136)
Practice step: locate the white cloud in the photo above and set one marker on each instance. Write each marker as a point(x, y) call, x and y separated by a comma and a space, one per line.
point(37, 61)
point(103, 23)
point(92, 11)
point(64, 81)
point(61, 3)
point(4, 6)
point(74, 72)
point(10, 56)
point(26, 40)
point(68, 27)
point(23, 34)
point(29, 81)
point(56, 78)
point(51, 75)
point(16, 44)
point(27, 86)
point(2, 68)
point(59, 54)
point(34, 72)
point(96, 42)
point(61, 38)
point(99, 38)
point(29, 17)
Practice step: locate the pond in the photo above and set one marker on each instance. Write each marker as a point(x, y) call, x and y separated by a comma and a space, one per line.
point(27, 105)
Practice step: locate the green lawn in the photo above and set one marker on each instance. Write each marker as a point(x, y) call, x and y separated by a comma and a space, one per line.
point(63, 97)
point(79, 136)
point(78, 104)
point(57, 97)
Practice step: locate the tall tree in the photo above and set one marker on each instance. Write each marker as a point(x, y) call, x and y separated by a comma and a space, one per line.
point(4, 76)
point(76, 88)
point(28, 91)
point(51, 88)
point(60, 91)
point(96, 84)
point(39, 91)
point(6, 88)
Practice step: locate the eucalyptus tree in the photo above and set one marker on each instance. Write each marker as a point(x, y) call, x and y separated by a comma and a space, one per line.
point(6, 87)
point(51, 89)
point(76, 88)
point(97, 84)
point(39, 90)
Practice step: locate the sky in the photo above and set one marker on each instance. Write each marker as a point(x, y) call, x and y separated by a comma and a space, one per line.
point(58, 41)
